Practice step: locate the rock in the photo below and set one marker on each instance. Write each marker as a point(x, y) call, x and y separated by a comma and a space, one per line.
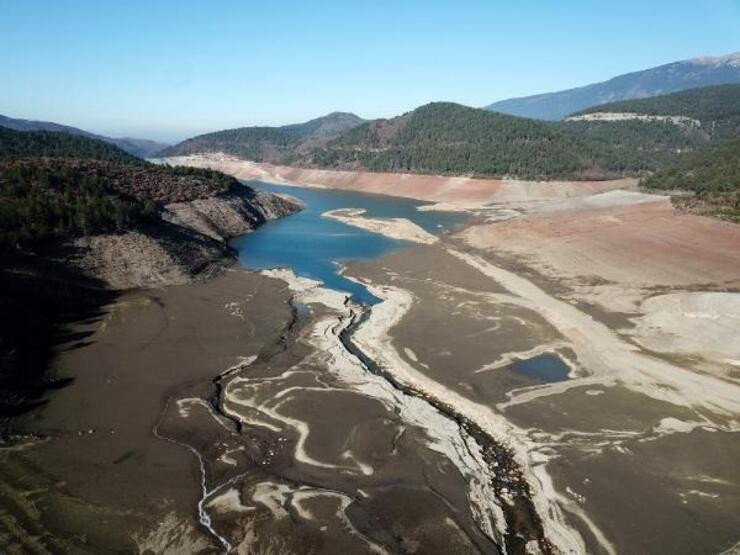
point(229, 214)
point(188, 244)
point(148, 257)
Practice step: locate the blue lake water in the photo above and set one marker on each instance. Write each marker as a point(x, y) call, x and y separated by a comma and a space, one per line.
point(313, 246)
point(547, 367)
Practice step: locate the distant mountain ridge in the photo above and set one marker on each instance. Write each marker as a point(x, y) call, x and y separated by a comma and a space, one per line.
point(143, 148)
point(270, 144)
point(664, 79)
point(441, 138)
point(451, 139)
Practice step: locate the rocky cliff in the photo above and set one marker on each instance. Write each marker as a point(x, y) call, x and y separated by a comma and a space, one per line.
point(189, 244)
point(229, 214)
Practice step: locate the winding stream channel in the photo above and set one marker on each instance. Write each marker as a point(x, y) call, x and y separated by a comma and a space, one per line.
point(314, 443)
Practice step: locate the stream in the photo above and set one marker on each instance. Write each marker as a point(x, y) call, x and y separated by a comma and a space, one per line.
point(281, 393)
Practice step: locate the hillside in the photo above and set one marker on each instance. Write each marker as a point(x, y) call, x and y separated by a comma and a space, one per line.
point(624, 139)
point(142, 148)
point(80, 218)
point(445, 138)
point(716, 109)
point(712, 174)
point(647, 134)
point(57, 186)
point(689, 138)
point(269, 144)
point(34, 144)
point(668, 78)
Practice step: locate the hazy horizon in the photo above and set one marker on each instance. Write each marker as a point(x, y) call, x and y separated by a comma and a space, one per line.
point(175, 69)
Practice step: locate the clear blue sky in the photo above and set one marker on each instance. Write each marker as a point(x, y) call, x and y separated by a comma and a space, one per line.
point(170, 69)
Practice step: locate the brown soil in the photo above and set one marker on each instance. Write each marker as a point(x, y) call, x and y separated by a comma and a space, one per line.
point(646, 244)
point(422, 187)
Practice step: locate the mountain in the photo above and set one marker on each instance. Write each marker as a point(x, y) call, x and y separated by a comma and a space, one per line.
point(15, 145)
point(447, 138)
point(143, 148)
point(715, 111)
point(691, 138)
point(677, 76)
point(32, 125)
point(269, 144)
point(647, 134)
point(57, 186)
point(631, 138)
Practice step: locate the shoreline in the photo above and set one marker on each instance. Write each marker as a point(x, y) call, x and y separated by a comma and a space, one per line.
point(436, 407)
point(459, 192)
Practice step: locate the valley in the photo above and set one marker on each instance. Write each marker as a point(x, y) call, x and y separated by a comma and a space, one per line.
point(566, 276)
point(592, 346)
point(445, 329)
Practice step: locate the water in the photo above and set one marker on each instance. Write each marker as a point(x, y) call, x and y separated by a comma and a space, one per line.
point(547, 367)
point(313, 246)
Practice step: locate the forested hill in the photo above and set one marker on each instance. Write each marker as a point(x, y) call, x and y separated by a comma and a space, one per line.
point(34, 144)
point(143, 148)
point(716, 108)
point(646, 135)
point(447, 138)
point(269, 144)
point(712, 174)
point(57, 186)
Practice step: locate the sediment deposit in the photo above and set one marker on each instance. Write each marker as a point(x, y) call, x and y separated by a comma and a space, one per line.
point(456, 191)
point(559, 376)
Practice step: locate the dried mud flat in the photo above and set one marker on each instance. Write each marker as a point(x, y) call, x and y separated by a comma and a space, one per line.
point(230, 416)
point(560, 376)
point(635, 450)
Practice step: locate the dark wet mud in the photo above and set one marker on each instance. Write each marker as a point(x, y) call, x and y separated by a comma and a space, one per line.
point(191, 428)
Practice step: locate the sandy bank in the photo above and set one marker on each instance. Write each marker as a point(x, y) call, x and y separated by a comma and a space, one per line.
point(396, 228)
point(705, 324)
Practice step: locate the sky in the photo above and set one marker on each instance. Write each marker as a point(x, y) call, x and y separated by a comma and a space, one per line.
point(167, 70)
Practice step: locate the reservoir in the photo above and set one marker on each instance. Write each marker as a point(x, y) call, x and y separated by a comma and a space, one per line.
point(313, 246)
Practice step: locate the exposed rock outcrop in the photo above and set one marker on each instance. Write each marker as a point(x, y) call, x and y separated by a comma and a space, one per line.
point(190, 244)
point(158, 255)
point(229, 214)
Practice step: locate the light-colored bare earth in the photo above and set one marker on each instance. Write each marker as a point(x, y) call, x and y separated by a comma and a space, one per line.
point(626, 404)
point(633, 240)
point(701, 324)
point(628, 290)
point(397, 228)
point(631, 116)
point(461, 191)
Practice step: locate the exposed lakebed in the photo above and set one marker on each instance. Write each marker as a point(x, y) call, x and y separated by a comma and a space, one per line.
point(313, 246)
